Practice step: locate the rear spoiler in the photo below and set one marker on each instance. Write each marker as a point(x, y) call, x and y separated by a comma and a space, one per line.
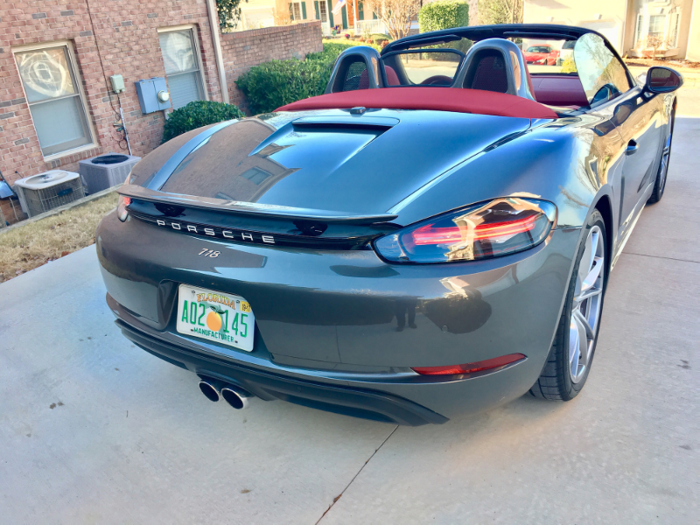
point(270, 211)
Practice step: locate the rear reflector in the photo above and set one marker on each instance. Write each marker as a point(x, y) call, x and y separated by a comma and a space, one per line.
point(470, 368)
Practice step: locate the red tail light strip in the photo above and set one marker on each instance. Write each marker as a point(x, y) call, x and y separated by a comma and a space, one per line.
point(469, 368)
point(428, 235)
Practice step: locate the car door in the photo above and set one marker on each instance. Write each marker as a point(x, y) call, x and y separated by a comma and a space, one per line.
point(637, 118)
point(640, 122)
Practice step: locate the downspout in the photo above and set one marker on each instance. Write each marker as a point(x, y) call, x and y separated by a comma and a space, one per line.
point(214, 25)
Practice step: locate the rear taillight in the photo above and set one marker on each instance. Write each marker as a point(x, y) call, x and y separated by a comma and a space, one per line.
point(486, 230)
point(122, 204)
point(470, 368)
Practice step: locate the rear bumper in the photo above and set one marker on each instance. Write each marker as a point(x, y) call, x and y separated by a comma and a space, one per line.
point(352, 401)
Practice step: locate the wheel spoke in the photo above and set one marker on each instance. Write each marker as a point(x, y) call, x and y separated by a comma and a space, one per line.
point(593, 274)
point(574, 349)
point(583, 324)
point(591, 292)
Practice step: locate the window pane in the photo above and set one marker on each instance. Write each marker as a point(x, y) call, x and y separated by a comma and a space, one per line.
point(178, 51)
point(45, 73)
point(597, 67)
point(638, 32)
point(656, 25)
point(675, 21)
point(60, 125)
point(256, 175)
point(184, 88)
point(296, 11)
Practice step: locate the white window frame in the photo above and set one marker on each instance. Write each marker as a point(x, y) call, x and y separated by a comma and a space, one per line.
point(73, 65)
point(674, 20)
point(297, 4)
point(197, 52)
point(323, 11)
point(671, 17)
point(664, 30)
point(639, 30)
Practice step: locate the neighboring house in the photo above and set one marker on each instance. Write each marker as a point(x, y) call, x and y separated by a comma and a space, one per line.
point(57, 106)
point(256, 14)
point(340, 14)
point(634, 27)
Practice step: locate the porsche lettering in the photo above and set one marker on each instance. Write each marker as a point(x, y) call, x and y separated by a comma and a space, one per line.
point(234, 235)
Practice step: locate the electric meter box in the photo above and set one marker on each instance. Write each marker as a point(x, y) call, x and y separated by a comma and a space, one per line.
point(148, 90)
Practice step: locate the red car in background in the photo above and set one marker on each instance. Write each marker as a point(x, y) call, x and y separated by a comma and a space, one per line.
point(541, 54)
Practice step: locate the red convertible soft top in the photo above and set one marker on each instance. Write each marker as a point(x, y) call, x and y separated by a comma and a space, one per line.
point(433, 98)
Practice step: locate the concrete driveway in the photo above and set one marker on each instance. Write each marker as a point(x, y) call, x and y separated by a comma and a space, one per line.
point(94, 430)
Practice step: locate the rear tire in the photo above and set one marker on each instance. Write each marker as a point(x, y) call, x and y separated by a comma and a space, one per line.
point(662, 174)
point(571, 356)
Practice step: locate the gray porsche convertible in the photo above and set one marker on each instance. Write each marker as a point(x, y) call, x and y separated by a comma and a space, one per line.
point(430, 237)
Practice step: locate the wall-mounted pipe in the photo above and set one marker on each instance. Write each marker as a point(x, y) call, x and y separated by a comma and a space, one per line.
point(214, 25)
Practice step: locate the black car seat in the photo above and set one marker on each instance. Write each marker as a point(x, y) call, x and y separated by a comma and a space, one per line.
point(497, 65)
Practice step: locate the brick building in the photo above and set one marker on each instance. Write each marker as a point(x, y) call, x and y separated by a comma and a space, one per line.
point(56, 56)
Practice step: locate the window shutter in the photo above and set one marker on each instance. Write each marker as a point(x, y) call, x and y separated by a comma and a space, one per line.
point(303, 10)
point(360, 12)
point(291, 11)
point(374, 16)
point(330, 12)
point(345, 17)
point(318, 13)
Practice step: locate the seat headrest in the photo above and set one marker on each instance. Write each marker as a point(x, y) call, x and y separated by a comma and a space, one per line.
point(496, 64)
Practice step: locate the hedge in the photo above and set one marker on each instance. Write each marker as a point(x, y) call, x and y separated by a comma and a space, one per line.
point(197, 114)
point(443, 14)
point(279, 82)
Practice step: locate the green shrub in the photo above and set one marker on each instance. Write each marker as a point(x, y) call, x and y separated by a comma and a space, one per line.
point(443, 14)
point(569, 66)
point(197, 114)
point(378, 38)
point(446, 14)
point(279, 82)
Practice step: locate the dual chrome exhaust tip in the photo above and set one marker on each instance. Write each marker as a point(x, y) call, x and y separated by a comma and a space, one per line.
point(235, 396)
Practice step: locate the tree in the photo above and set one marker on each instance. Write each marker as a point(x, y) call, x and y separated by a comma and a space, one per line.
point(396, 14)
point(229, 13)
point(501, 11)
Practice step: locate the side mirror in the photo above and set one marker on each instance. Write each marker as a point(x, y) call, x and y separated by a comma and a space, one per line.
point(663, 80)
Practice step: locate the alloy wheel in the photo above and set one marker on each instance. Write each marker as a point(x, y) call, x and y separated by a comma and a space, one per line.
point(666, 156)
point(587, 302)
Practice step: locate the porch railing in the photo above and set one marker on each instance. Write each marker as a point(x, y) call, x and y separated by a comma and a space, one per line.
point(369, 26)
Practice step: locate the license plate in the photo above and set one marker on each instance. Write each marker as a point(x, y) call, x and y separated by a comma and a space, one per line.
point(215, 316)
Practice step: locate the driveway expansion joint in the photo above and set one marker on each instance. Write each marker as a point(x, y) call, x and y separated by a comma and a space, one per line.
point(661, 257)
point(355, 476)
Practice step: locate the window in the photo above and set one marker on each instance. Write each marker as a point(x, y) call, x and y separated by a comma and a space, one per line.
point(638, 31)
point(657, 24)
point(256, 175)
point(674, 30)
point(55, 100)
point(323, 11)
point(182, 66)
point(297, 10)
point(598, 69)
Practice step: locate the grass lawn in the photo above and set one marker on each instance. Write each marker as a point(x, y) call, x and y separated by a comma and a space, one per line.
point(26, 247)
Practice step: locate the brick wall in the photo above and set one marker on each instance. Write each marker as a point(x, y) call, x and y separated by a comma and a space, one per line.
point(118, 37)
point(245, 49)
point(124, 35)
